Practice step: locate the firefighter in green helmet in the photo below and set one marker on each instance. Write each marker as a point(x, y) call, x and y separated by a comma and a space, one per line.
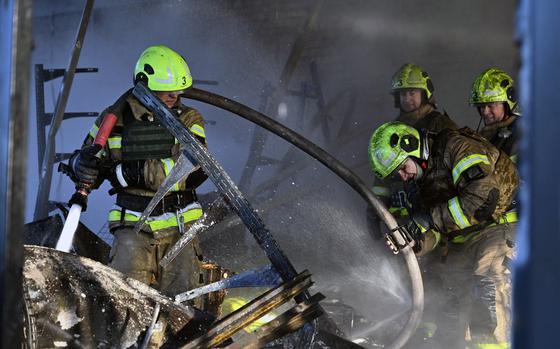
point(459, 190)
point(413, 93)
point(139, 154)
point(494, 95)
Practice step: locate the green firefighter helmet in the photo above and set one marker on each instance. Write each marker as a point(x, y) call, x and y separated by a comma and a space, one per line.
point(162, 69)
point(493, 85)
point(412, 76)
point(390, 145)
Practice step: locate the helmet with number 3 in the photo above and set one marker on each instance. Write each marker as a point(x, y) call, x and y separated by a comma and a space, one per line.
point(162, 69)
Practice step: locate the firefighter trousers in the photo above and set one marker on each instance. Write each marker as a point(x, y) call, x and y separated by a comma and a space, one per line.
point(477, 274)
point(138, 256)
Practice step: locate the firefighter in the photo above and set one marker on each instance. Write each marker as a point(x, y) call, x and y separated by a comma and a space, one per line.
point(459, 190)
point(413, 94)
point(138, 156)
point(493, 94)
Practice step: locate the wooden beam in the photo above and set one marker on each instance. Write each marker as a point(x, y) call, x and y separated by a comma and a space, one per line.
point(251, 312)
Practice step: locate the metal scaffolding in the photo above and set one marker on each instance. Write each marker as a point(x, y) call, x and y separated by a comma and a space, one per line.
point(41, 205)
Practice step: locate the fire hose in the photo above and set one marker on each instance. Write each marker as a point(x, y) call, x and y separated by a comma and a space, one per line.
point(396, 235)
point(83, 189)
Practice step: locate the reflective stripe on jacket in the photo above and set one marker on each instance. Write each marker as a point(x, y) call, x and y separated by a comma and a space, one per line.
point(191, 212)
point(468, 181)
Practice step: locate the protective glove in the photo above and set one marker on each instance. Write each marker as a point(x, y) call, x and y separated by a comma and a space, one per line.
point(412, 196)
point(86, 165)
point(399, 200)
point(128, 174)
point(419, 227)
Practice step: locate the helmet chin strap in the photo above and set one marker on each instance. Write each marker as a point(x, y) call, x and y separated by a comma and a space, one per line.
point(479, 123)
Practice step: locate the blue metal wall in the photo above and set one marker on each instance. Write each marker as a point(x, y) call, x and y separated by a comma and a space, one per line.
point(537, 272)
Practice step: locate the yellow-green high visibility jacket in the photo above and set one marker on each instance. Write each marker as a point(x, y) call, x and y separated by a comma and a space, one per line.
point(155, 170)
point(467, 182)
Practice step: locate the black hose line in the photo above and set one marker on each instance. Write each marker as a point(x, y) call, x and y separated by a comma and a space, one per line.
point(345, 174)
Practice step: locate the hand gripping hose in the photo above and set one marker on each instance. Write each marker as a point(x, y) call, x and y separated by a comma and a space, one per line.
point(83, 189)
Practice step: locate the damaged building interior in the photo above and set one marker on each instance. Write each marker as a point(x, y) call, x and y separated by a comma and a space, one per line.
point(290, 93)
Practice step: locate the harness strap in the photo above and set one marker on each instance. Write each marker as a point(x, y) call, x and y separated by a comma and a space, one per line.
point(169, 203)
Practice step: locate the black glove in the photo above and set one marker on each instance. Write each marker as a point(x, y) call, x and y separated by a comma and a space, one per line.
point(399, 199)
point(86, 165)
point(419, 225)
point(128, 174)
point(412, 194)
